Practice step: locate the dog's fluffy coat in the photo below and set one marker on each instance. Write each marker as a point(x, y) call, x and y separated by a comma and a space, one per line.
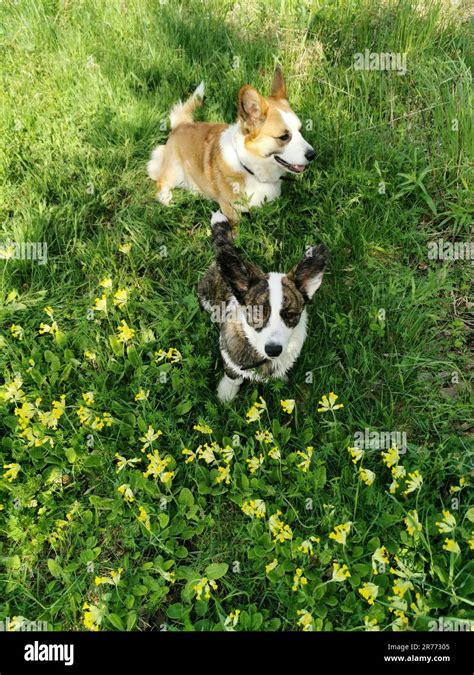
point(236, 165)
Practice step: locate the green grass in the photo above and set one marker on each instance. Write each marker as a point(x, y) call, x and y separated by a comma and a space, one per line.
point(86, 86)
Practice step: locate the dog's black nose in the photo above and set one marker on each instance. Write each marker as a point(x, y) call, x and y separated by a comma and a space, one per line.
point(273, 350)
point(310, 154)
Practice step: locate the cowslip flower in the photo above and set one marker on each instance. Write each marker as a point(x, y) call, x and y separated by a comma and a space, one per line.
point(457, 488)
point(100, 304)
point(306, 546)
point(17, 332)
point(256, 411)
point(254, 508)
point(45, 328)
point(189, 454)
point(329, 402)
point(223, 475)
point(106, 283)
point(370, 624)
point(113, 580)
point(391, 457)
point(447, 524)
point(401, 622)
point(398, 472)
point(400, 587)
point(126, 492)
point(157, 467)
point(12, 471)
point(92, 616)
point(12, 391)
point(173, 355)
point(264, 436)
point(299, 580)
point(379, 560)
point(356, 454)
point(232, 619)
point(281, 531)
point(227, 453)
point(366, 476)
point(412, 523)
point(306, 621)
point(122, 462)
point(124, 332)
point(125, 248)
point(149, 438)
point(203, 587)
point(203, 428)
point(451, 546)
point(144, 518)
point(340, 573)
point(306, 456)
point(141, 395)
point(369, 592)
point(415, 482)
point(288, 405)
point(340, 533)
point(88, 397)
point(206, 452)
point(254, 463)
point(274, 453)
point(271, 566)
point(121, 298)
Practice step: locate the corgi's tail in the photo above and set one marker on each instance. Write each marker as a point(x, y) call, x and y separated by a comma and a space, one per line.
point(182, 113)
point(154, 165)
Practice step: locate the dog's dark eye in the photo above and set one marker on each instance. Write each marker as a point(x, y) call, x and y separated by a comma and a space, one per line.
point(285, 137)
point(290, 318)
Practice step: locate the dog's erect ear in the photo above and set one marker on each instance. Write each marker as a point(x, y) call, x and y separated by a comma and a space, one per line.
point(252, 108)
point(307, 275)
point(278, 84)
point(238, 274)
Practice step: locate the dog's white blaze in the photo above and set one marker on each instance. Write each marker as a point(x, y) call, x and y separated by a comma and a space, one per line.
point(294, 152)
point(276, 331)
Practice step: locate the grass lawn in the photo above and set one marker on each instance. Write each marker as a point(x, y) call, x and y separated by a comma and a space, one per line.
point(104, 522)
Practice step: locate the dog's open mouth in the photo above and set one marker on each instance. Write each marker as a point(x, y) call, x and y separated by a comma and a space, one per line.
point(294, 168)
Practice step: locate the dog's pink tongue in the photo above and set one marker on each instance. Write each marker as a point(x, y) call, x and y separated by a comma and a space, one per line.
point(297, 168)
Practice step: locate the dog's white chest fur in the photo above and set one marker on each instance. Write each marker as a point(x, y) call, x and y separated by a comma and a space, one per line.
point(265, 184)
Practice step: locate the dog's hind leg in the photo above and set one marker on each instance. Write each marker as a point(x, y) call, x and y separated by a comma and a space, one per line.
point(164, 175)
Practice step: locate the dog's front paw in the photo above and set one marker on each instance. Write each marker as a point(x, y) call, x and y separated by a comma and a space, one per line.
point(228, 388)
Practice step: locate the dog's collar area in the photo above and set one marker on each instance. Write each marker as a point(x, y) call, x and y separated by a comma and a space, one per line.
point(254, 365)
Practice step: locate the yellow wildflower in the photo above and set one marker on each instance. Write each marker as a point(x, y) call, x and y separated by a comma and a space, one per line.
point(127, 493)
point(223, 474)
point(88, 397)
point(306, 620)
point(451, 546)
point(340, 573)
point(288, 405)
point(356, 454)
point(121, 298)
point(144, 518)
point(203, 428)
point(412, 523)
point(12, 472)
point(124, 332)
point(141, 395)
point(203, 586)
point(271, 566)
point(340, 532)
point(329, 402)
point(298, 580)
point(415, 482)
point(17, 332)
point(307, 456)
point(391, 457)
point(254, 463)
point(92, 616)
point(369, 592)
point(366, 476)
point(448, 523)
point(100, 304)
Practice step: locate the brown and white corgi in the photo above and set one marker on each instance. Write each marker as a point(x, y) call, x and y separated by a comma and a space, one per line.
point(262, 316)
point(237, 165)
